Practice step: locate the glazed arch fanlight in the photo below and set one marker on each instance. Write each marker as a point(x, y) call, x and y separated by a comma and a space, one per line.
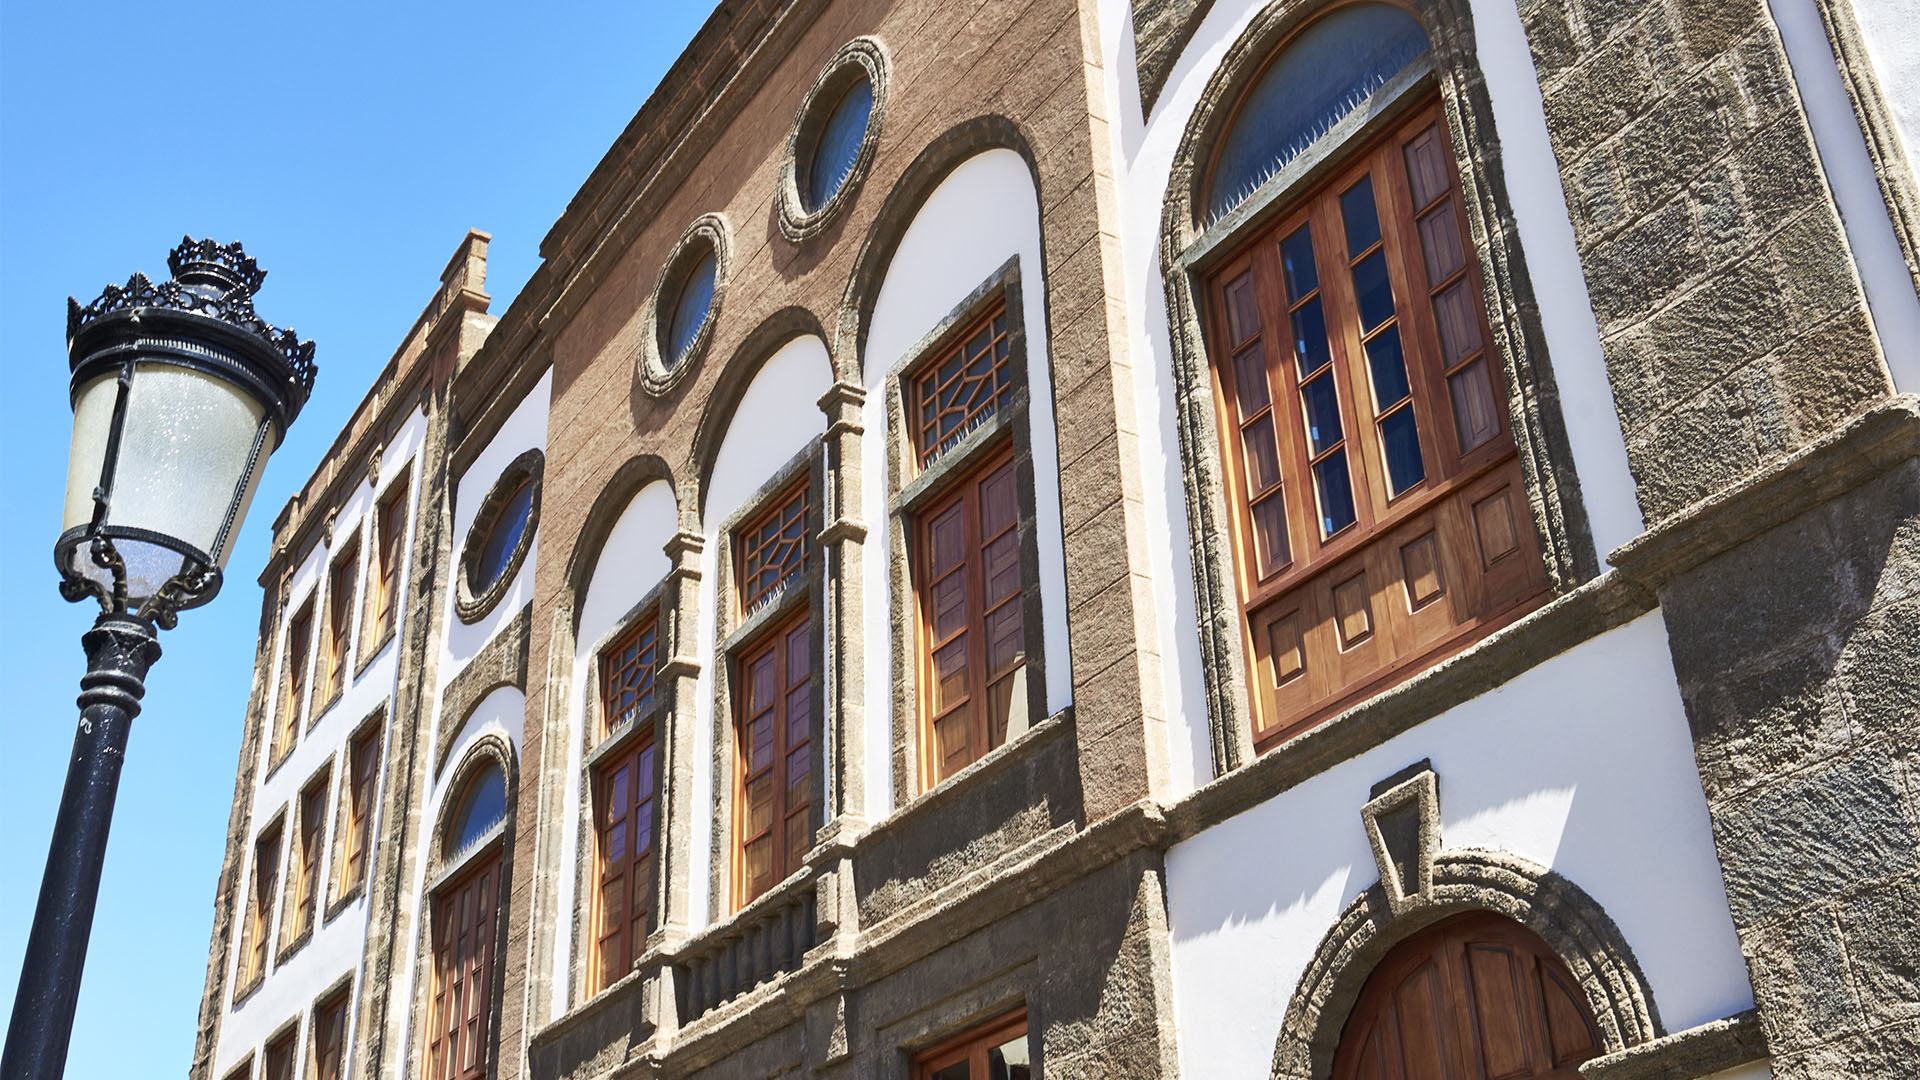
point(691, 306)
point(839, 144)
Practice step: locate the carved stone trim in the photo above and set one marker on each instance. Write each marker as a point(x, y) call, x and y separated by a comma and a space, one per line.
point(1571, 923)
point(1539, 430)
point(863, 56)
point(1698, 1051)
point(1405, 855)
point(1890, 165)
point(469, 606)
point(709, 232)
point(500, 662)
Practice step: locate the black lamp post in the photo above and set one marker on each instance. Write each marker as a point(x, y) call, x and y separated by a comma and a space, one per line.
point(180, 392)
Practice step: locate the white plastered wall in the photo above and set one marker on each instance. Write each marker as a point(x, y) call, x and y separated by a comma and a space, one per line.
point(630, 564)
point(776, 418)
point(1583, 764)
point(336, 947)
point(1144, 148)
point(1892, 29)
point(983, 213)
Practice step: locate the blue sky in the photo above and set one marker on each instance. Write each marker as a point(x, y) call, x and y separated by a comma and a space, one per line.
point(350, 146)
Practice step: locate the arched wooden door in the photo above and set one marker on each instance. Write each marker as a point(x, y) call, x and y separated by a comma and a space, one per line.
point(1474, 997)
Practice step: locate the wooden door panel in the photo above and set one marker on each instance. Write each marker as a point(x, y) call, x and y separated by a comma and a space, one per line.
point(1569, 1037)
point(1499, 1013)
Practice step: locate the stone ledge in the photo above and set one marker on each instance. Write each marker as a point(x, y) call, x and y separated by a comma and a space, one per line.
point(1602, 604)
point(1696, 1052)
point(1869, 445)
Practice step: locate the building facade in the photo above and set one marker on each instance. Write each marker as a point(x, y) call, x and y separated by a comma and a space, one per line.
point(1071, 538)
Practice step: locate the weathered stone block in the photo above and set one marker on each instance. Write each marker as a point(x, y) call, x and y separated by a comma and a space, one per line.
point(1766, 722)
point(1886, 1053)
point(1702, 446)
point(1707, 28)
point(1829, 374)
point(1643, 265)
point(1814, 267)
point(1550, 37)
point(1813, 834)
point(1881, 928)
point(1880, 671)
point(1800, 983)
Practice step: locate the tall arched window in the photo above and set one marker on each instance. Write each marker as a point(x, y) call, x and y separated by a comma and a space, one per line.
point(1380, 514)
point(1472, 997)
point(466, 911)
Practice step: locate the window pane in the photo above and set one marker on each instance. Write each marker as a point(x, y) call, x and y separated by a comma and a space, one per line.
point(760, 743)
point(799, 652)
point(759, 805)
point(1336, 493)
point(1322, 408)
point(839, 144)
point(955, 1071)
point(1329, 70)
point(1440, 237)
point(1474, 418)
point(1270, 533)
point(1250, 378)
point(1372, 290)
point(483, 807)
point(1263, 459)
point(690, 309)
point(1389, 370)
point(1009, 1061)
point(503, 537)
point(1310, 348)
point(1400, 442)
point(1360, 216)
point(1005, 639)
point(1296, 258)
point(949, 539)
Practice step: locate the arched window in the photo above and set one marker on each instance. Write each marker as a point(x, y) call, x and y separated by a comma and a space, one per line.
point(839, 145)
point(503, 535)
point(466, 923)
point(690, 309)
point(1472, 997)
point(1381, 515)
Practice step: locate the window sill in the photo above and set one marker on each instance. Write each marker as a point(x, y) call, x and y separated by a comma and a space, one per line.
point(791, 596)
point(972, 447)
point(247, 989)
point(622, 737)
point(345, 900)
point(293, 946)
point(961, 784)
point(372, 652)
point(319, 714)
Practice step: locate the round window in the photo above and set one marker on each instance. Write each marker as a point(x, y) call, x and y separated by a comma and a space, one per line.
point(685, 303)
point(499, 537)
point(833, 138)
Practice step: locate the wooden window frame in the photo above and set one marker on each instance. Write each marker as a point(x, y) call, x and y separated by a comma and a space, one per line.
point(343, 583)
point(280, 1058)
point(1279, 603)
point(972, 1047)
point(625, 737)
point(1001, 332)
point(963, 490)
point(388, 566)
point(254, 952)
point(308, 852)
point(645, 633)
point(359, 791)
point(775, 640)
point(293, 685)
point(484, 860)
point(331, 1017)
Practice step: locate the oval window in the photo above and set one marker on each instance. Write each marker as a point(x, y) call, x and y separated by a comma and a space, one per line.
point(690, 308)
point(839, 144)
point(482, 806)
point(1330, 69)
point(503, 537)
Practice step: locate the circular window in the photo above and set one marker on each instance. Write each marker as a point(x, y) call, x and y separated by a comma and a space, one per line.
point(685, 304)
point(482, 806)
point(833, 139)
point(498, 540)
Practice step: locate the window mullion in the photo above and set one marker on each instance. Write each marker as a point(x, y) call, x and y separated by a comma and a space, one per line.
point(1413, 309)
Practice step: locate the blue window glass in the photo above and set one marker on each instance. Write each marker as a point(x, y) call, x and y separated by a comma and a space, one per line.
point(839, 144)
point(1322, 406)
point(1373, 290)
point(482, 806)
point(690, 309)
point(1310, 338)
point(1324, 74)
point(1389, 370)
point(1362, 219)
point(1336, 493)
point(1296, 256)
point(503, 536)
point(1400, 440)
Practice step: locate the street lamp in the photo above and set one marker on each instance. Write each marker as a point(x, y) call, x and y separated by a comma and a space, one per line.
point(180, 392)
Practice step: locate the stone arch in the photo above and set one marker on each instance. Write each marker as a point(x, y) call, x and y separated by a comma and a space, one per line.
point(716, 415)
point(1561, 913)
point(489, 749)
point(627, 481)
point(1539, 430)
point(940, 157)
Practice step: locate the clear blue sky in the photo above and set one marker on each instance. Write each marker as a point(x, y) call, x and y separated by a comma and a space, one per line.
point(350, 146)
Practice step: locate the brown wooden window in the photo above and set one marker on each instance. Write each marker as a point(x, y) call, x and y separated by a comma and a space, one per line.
point(330, 1038)
point(773, 548)
point(361, 786)
point(626, 676)
point(341, 581)
point(972, 618)
point(293, 684)
point(773, 752)
point(993, 1051)
point(255, 932)
point(310, 830)
point(383, 605)
point(1476, 995)
point(279, 1056)
point(623, 818)
point(462, 998)
point(1381, 517)
point(962, 388)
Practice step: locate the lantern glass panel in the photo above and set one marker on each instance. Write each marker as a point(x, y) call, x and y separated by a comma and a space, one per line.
point(92, 420)
point(183, 453)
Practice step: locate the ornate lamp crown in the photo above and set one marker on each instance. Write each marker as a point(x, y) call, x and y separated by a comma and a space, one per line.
point(203, 262)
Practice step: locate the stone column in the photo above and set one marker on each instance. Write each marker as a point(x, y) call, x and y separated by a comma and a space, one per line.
point(679, 680)
point(843, 792)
